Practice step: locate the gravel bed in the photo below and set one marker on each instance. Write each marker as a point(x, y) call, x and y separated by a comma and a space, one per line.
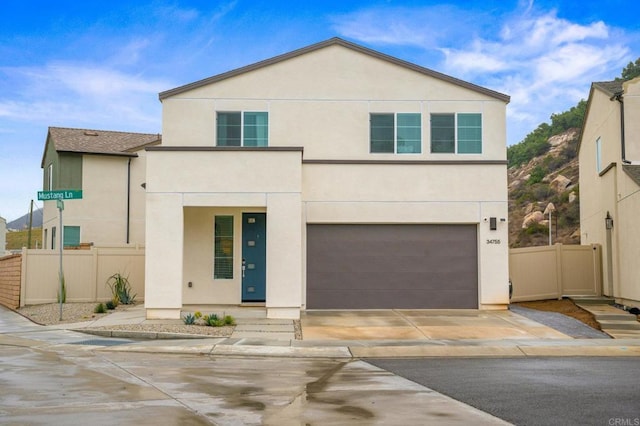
point(49, 314)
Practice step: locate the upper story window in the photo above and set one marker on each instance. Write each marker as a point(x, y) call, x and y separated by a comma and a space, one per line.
point(399, 133)
point(598, 155)
point(242, 129)
point(456, 133)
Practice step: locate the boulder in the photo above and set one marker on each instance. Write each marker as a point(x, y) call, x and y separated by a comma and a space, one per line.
point(560, 183)
point(534, 217)
point(572, 196)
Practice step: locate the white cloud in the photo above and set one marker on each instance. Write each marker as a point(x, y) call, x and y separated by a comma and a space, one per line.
point(84, 94)
point(545, 63)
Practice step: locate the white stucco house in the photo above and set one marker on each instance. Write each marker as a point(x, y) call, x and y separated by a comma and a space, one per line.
point(109, 167)
point(609, 158)
point(330, 177)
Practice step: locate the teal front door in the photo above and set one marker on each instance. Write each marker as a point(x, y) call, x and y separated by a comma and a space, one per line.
point(254, 257)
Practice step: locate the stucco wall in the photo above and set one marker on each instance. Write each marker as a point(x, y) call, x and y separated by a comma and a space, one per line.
point(102, 212)
point(322, 101)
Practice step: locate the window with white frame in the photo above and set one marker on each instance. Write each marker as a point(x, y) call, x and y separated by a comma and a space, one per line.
point(459, 133)
point(242, 128)
point(395, 133)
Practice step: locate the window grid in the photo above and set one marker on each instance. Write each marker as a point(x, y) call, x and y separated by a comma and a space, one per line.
point(459, 133)
point(247, 128)
point(395, 133)
point(223, 247)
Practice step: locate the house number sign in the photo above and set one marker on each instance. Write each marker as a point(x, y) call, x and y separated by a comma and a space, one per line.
point(494, 241)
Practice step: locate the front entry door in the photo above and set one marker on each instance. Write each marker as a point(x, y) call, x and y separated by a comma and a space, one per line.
point(254, 257)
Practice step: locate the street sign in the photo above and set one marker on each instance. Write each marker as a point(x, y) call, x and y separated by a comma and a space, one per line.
point(65, 194)
point(60, 204)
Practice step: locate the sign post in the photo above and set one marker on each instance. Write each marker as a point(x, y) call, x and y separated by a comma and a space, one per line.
point(59, 196)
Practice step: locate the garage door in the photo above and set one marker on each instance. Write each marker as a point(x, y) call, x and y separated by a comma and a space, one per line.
point(392, 266)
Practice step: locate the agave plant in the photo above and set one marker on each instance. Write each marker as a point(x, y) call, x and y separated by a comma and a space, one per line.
point(189, 319)
point(120, 289)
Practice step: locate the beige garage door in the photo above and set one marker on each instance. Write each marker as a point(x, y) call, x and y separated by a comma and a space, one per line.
point(392, 267)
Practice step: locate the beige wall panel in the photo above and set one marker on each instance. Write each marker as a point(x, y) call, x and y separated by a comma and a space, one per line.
point(493, 255)
point(223, 171)
point(188, 122)
point(631, 122)
point(198, 258)
point(392, 212)
point(164, 253)
point(326, 129)
point(138, 198)
point(629, 253)
point(345, 74)
point(258, 199)
point(284, 252)
point(378, 182)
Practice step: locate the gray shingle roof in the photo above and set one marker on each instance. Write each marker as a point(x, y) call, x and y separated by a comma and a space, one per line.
point(331, 42)
point(610, 87)
point(633, 171)
point(106, 142)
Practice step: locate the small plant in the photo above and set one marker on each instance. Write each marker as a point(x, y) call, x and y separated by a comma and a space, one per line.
point(111, 305)
point(100, 309)
point(229, 320)
point(120, 289)
point(213, 320)
point(189, 319)
point(198, 314)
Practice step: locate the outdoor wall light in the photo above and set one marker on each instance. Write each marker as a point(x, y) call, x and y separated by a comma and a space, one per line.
point(608, 221)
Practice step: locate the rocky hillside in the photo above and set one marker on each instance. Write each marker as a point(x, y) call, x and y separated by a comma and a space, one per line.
point(548, 181)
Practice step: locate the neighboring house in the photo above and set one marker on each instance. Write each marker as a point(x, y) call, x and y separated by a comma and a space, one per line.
point(609, 158)
point(109, 168)
point(330, 177)
point(3, 236)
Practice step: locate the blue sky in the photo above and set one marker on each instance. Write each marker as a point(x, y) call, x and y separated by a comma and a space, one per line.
point(101, 64)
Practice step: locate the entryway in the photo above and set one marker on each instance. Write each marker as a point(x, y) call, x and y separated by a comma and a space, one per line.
point(254, 257)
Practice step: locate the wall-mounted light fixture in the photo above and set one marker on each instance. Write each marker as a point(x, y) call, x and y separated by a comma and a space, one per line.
point(608, 221)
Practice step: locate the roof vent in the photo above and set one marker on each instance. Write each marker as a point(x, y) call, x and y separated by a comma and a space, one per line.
point(90, 133)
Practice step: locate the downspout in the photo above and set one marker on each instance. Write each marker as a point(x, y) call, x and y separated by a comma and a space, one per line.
point(618, 97)
point(128, 197)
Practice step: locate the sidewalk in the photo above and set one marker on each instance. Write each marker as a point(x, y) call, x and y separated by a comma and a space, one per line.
point(355, 334)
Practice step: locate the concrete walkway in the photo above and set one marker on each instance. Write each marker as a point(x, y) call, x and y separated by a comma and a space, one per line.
point(339, 334)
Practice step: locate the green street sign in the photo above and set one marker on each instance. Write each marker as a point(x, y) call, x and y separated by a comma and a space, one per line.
point(65, 194)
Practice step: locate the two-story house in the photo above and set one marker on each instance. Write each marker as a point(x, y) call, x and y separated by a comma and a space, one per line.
point(109, 168)
point(330, 177)
point(609, 158)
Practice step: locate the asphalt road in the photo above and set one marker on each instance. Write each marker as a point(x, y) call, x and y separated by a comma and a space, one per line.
point(534, 391)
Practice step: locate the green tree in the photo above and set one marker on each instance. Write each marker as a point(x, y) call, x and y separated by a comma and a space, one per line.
point(632, 70)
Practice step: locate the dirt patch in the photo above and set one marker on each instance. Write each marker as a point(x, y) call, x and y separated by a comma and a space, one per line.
point(565, 307)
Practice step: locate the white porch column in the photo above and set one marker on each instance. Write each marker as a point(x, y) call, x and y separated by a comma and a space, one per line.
point(284, 255)
point(164, 251)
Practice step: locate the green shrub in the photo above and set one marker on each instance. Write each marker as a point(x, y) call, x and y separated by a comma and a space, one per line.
point(536, 228)
point(537, 174)
point(229, 320)
point(213, 320)
point(120, 289)
point(100, 309)
point(111, 305)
